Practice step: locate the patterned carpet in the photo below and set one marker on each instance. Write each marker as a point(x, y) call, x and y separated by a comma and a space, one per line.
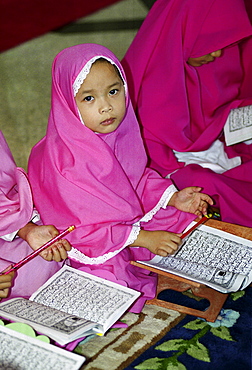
point(156, 339)
point(161, 339)
point(119, 347)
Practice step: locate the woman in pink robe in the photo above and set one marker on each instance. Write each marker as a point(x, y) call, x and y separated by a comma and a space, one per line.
point(98, 181)
point(16, 212)
point(182, 106)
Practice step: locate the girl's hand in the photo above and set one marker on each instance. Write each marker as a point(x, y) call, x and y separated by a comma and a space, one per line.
point(158, 242)
point(37, 235)
point(191, 200)
point(6, 283)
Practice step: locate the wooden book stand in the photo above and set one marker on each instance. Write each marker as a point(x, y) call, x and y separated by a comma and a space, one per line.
point(170, 281)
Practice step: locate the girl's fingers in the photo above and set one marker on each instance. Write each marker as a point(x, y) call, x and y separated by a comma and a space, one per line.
point(168, 250)
point(56, 254)
point(62, 251)
point(4, 293)
point(49, 255)
point(66, 245)
point(44, 254)
point(59, 252)
point(6, 284)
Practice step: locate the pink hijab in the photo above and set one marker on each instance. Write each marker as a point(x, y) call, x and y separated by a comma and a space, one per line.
point(16, 205)
point(98, 182)
point(179, 106)
point(16, 209)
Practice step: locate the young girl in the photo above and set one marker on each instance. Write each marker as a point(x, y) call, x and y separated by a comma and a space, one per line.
point(19, 234)
point(90, 170)
point(197, 56)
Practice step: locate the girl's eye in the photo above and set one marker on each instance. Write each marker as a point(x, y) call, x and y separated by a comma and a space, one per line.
point(113, 92)
point(88, 98)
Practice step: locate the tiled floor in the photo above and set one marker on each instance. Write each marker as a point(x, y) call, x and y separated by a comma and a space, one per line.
point(26, 70)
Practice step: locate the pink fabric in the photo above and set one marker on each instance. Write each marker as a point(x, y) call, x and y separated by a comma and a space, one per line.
point(179, 106)
point(98, 182)
point(16, 209)
point(16, 204)
point(184, 108)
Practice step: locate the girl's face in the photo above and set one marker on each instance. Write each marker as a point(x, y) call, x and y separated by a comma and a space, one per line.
point(197, 62)
point(101, 98)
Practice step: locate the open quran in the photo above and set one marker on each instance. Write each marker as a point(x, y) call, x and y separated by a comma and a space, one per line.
point(238, 126)
point(70, 305)
point(212, 257)
point(22, 352)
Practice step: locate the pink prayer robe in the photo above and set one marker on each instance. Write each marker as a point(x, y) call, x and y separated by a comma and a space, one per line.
point(16, 209)
point(184, 108)
point(99, 182)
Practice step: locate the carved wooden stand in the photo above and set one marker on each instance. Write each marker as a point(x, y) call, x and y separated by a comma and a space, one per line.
point(170, 281)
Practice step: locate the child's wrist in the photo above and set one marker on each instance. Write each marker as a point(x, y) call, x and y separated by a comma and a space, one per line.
point(24, 231)
point(172, 200)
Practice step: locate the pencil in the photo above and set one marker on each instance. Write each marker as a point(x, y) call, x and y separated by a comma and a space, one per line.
point(37, 251)
point(201, 221)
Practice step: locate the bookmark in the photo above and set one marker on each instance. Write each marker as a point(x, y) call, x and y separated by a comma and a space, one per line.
point(37, 251)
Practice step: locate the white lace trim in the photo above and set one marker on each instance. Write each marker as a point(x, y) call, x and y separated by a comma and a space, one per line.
point(85, 71)
point(163, 202)
point(77, 255)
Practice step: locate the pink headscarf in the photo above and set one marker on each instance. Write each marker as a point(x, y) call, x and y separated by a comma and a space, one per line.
point(181, 107)
point(16, 205)
point(16, 209)
point(98, 182)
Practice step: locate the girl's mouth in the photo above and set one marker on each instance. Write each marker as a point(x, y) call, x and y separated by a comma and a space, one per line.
point(108, 122)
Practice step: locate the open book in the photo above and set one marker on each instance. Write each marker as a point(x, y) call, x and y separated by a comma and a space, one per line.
point(22, 352)
point(212, 257)
point(70, 305)
point(238, 126)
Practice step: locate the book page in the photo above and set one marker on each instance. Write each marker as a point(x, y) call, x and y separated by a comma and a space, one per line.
point(238, 126)
point(210, 256)
point(86, 296)
point(19, 351)
point(45, 319)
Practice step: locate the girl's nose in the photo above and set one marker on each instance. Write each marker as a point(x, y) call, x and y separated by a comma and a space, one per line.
point(216, 54)
point(105, 107)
